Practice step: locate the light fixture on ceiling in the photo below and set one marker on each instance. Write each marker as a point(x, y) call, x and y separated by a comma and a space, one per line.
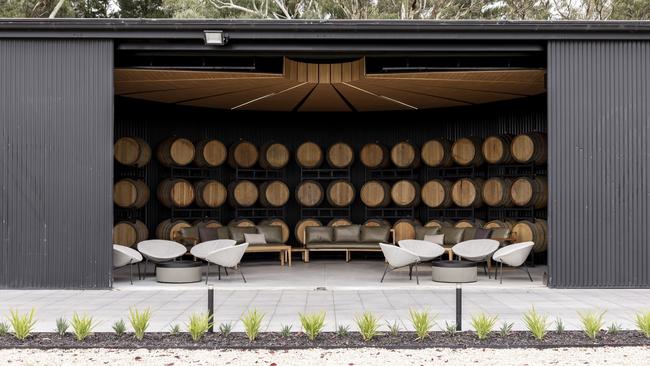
point(215, 38)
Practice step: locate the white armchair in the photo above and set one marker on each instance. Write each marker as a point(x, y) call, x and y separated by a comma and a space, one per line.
point(228, 257)
point(125, 256)
point(476, 250)
point(514, 255)
point(158, 251)
point(426, 250)
point(397, 257)
point(202, 250)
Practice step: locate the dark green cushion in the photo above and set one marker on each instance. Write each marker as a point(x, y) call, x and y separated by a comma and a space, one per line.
point(191, 232)
point(379, 234)
point(237, 233)
point(319, 234)
point(452, 235)
point(347, 233)
point(482, 233)
point(208, 233)
point(272, 234)
point(500, 233)
point(469, 233)
point(421, 231)
point(223, 232)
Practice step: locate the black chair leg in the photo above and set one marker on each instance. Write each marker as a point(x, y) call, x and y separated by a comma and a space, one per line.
point(131, 272)
point(385, 271)
point(496, 269)
point(219, 272)
point(417, 275)
point(226, 270)
point(410, 272)
point(528, 272)
point(139, 274)
point(501, 272)
point(242, 274)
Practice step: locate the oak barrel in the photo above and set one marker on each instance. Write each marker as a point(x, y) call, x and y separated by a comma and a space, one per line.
point(278, 222)
point(494, 224)
point(340, 193)
point(243, 154)
point(309, 155)
point(210, 153)
point(242, 223)
point(375, 193)
point(175, 192)
point(274, 193)
point(496, 192)
point(175, 151)
point(309, 193)
point(466, 192)
point(439, 223)
point(405, 155)
point(274, 155)
point(529, 148)
point(405, 229)
point(242, 193)
point(496, 149)
point(374, 156)
point(340, 155)
point(302, 225)
point(466, 151)
point(537, 232)
point(530, 192)
point(168, 229)
point(437, 193)
point(437, 153)
point(405, 193)
point(376, 223)
point(132, 151)
point(130, 233)
point(207, 223)
point(210, 193)
point(130, 193)
point(466, 223)
point(339, 222)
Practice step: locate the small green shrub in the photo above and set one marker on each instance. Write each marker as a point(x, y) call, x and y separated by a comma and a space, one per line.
point(506, 329)
point(483, 324)
point(175, 329)
point(368, 325)
point(285, 331)
point(198, 325)
point(22, 324)
point(139, 321)
point(423, 322)
point(4, 329)
point(225, 329)
point(592, 323)
point(450, 329)
point(559, 326)
point(642, 321)
point(614, 328)
point(536, 323)
point(393, 328)
point(343, 330)
point(82, 326)
point(252, 323)
point(312, 324)
point(62, 326)
point(119, 327)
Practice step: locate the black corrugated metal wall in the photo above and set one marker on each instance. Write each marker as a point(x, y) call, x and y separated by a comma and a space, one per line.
point(56, 109)
point(598, 124)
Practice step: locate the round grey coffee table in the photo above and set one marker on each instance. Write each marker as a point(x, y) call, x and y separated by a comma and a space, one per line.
point(183, 271)
point(453, 271)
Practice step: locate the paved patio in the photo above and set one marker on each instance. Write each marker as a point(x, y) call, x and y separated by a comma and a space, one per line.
point(342, 290)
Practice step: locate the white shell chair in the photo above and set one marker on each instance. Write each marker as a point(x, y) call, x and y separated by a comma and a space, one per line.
point(514, 255)
point(476, 250)
point(426, 250)
point(158, 251)
point(202, 250)
point(397, 257)
point(228, 257)
point(125, 256)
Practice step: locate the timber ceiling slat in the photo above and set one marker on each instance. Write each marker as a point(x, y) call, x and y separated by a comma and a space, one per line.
point(509, 76)
point(155, 75)
point(517, 89)
point(324, 98)
point(231, 100)
point(125, 88)
point(416, 100)
point(283, 101)
point(365, 101)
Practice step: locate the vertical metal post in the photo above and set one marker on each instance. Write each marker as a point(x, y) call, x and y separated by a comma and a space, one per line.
point(211, 308)
point(459, 307)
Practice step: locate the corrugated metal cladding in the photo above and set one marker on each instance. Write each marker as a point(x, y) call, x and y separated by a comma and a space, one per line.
point(599, 121)
point(56, 108)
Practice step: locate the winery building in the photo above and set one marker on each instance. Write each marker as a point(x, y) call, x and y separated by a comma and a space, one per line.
point(116, 131)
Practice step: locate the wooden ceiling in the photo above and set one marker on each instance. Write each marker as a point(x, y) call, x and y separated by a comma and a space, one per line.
point(339, 87)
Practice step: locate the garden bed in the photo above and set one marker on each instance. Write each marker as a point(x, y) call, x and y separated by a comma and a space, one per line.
point(404, 340)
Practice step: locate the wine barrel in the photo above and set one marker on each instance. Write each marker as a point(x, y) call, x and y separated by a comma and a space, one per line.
point(529, 148)
point(494, 224)
point(437, 193)
point(309, 193)
point(174, 192)
point(278, 222)
point(340, 193)
point(339, 222)
point(242, 193)
point(243, 154)
point(309, 155)
point(211, 223)
point(340, 155)
point(274, 155)
point(274, 193)
point(466, 192)
point(437, 153)
point(132, 151)
point(496, 192)
point(376, 223)
point(210, 193)
point(375, 193)
point(466, 151)
point(374, 156)
point(439, 223)
point(405, 155)
point(302, 225)
point(496, 149)
point(241, 223)
point(210, 153)
point(537, 232)
point(130, 233)
point(405, 193)
point(405, 229)
point(130, 193)
point(175, 151)
point(168, 229)
point(530, 192)
point(465, 223)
